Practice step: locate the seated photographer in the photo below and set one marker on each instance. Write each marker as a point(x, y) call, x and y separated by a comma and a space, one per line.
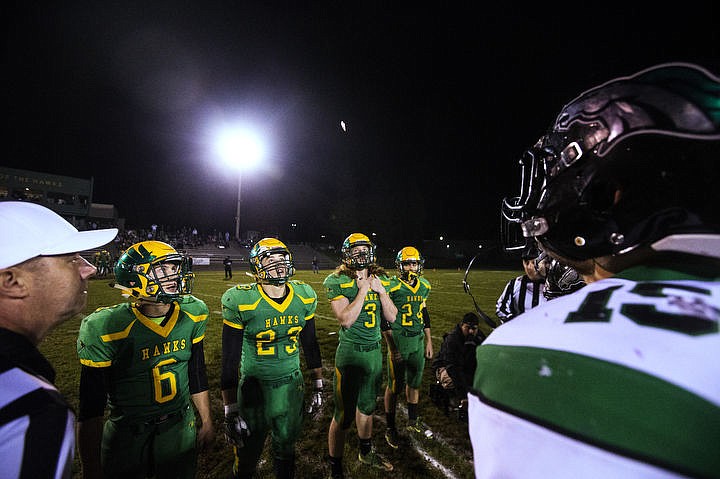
point(454, 365)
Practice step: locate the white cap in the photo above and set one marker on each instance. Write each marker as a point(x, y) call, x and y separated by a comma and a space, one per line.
point(28, 230)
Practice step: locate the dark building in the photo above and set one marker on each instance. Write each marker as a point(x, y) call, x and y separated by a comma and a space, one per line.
point(68, 196)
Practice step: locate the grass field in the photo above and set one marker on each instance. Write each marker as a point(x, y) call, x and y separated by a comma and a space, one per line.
point(447, 455)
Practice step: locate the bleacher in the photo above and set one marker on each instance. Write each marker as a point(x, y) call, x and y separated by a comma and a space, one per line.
point(303, 255)
point(211, 256)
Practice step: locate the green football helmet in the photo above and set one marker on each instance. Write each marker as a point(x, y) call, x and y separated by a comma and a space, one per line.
point(359, 259)
point(154, 271)
point(283, 269)
point(409, 254)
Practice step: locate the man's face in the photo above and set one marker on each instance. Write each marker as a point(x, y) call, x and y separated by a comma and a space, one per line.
point(275, 265)
point(167, 276)
point(468, 329)
point(360, 253)
point(60, 283)
point(410, 266)
point(533, 272)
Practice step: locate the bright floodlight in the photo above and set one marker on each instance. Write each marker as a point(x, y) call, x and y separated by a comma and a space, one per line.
point(242, 150)
point(239, 148)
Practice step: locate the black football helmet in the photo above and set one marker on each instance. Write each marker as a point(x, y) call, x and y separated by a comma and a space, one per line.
point(282, 270)
point(625, 164)
point(357, 260)
point(154, 271)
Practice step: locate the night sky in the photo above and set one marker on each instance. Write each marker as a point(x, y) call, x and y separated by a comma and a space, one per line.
point(439, 103)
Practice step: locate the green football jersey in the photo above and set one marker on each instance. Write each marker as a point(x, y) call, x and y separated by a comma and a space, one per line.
point(366, 328)
point(409, 301)
point(147, 362)
point(270, 347)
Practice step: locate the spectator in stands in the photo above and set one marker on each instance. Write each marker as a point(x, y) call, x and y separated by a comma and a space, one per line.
point(43, 282)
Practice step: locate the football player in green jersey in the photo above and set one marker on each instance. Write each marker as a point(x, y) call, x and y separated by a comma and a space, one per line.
point(407, 351)
point(145, 359)
point(358, 294)
point(262, 323)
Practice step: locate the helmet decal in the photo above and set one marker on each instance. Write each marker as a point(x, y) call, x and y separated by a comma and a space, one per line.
point(678, 100)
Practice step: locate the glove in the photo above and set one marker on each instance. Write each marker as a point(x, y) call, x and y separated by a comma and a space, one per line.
point(236, 429)
point(316, 400)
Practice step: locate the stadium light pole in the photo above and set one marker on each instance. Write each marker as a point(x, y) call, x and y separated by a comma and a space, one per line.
point(237, 210)
point(241, 149)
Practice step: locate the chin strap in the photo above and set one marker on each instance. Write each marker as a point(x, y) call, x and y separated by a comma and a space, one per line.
point(700, 244)
point(129, 293)
point(126, 292)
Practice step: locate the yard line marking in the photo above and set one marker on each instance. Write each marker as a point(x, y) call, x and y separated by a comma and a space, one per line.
point(420, 450)
point(436, 437)
point(433, 462)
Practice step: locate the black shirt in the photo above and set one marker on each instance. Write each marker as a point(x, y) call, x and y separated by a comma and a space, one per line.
point(457, 355)
point(37, 425)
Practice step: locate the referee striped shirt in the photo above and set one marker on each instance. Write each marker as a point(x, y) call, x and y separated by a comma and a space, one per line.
point(37, 426)
point(519, 295)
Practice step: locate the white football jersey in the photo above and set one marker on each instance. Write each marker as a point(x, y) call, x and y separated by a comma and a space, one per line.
point(619, 379)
